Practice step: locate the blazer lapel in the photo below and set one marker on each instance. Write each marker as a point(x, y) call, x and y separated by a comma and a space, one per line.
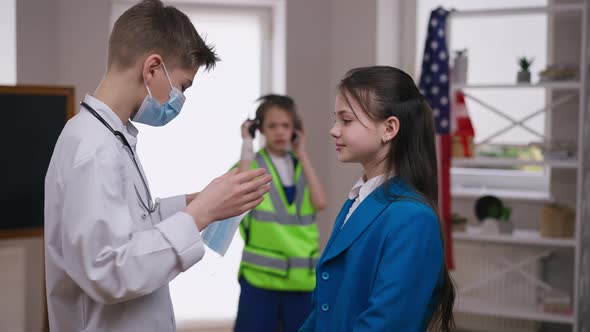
point(362, 217)
point(339, 221)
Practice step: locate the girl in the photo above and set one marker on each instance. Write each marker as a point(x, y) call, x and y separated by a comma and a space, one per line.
point(383, 268)
point(281, 236)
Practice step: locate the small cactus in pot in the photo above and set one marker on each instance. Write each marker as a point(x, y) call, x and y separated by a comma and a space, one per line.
point(524, 75)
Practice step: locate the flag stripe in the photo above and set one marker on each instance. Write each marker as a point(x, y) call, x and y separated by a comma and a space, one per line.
point(434, 85)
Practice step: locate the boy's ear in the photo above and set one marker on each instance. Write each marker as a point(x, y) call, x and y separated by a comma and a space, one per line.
point(150, 64)
point(391, 128)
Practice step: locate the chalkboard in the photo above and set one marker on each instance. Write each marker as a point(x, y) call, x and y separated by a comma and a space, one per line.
point(32, 117)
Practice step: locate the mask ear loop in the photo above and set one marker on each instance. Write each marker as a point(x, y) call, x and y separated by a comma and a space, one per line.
point(168, 76)
point(147, 87)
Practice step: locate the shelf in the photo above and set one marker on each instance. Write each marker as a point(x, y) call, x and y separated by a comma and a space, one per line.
point(561, 85)
point(511, 194)
point(564, 8)
point(473, 306)
point(507, 162)
point(518, 237)
point(21, 233)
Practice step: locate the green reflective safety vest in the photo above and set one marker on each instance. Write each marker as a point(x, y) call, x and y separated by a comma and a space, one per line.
point(281, 239)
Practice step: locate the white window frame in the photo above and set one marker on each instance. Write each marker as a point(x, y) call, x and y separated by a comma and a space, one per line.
point(8, 36)
point(396, 34)
point(274, 48)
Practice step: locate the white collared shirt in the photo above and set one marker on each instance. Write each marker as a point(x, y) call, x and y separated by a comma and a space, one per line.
point(284, 166)
point(361, 190)
point(108, 261)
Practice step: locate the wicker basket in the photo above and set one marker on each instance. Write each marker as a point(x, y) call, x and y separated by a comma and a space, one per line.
point(557, 221)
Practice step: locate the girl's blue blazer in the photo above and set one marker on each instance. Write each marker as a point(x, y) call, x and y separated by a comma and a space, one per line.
point(379, 271)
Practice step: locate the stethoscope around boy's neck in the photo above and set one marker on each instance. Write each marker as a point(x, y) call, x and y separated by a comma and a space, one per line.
point(150, 206)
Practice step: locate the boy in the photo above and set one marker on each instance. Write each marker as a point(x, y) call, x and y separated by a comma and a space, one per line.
point(110, 249)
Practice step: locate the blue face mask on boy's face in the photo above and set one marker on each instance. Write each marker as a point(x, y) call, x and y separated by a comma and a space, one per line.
point(153, 114)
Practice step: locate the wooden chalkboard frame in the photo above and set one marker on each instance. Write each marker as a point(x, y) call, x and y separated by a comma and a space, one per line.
point(69, 93)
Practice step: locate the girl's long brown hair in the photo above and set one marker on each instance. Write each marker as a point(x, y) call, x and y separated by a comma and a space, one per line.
point(383, 92)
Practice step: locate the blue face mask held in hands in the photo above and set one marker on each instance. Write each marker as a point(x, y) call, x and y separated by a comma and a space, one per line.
point(153, 114)
point(218, 235)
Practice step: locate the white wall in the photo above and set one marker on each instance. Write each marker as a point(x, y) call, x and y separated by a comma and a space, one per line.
point(62, 42)
point(36, 47)
point(82, 35)
point(13, 300)
point(30, 251)
point(396, 34)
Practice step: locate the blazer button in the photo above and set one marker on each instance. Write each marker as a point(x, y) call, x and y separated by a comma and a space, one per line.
point(143, 216)
point(325, 307)
point(325, 276)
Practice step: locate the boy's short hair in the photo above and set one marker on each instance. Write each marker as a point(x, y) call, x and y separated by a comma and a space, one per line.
point(151, 27)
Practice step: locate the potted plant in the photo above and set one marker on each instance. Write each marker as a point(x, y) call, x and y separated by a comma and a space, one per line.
point(524, 75)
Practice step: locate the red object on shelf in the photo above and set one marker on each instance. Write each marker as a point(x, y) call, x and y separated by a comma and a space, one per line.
point(462, 126)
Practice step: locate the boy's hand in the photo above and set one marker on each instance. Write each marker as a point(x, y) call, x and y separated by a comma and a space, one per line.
point(190, 197)
point(229, 195)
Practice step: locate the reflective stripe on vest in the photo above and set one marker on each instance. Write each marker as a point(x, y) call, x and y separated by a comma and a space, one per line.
point(265, 216)
point(280, 215)
point(278, 263)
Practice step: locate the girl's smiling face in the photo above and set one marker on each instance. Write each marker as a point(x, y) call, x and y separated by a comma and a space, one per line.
point(358, 138)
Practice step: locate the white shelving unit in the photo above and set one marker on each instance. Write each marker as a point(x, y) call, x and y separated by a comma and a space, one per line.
point(540, 247)
point(473, 306)
point(565, 85)
point(504, 162)
point(518, 237)
point(521, 195)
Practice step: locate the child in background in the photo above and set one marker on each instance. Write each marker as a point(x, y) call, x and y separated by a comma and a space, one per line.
point(383, 268)
point(281, 235)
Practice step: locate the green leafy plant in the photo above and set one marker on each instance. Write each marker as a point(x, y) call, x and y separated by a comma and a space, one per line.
point(525, 63)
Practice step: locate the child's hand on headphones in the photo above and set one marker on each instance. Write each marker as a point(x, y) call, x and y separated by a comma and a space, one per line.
point(246, 128)
point(299, 142)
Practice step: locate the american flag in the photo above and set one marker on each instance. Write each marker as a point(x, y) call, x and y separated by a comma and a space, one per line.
point(434, 85)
